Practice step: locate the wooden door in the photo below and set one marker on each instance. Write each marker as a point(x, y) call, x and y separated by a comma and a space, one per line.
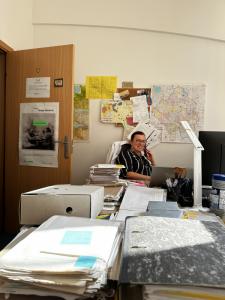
point(54, 62)
point(2, 118)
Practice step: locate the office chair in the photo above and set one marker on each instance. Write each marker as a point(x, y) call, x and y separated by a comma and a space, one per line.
point(114, 151)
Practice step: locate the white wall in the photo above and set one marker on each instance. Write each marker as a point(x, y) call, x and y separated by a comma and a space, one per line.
point(194, 17)
point(16, 28)
point(182, 41)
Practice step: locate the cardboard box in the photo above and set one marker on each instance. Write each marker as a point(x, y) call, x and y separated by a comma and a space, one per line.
point(71, 200)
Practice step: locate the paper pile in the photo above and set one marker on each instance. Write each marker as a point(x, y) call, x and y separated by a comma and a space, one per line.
point(105, 173)
point(67, 257)
point(112, 198)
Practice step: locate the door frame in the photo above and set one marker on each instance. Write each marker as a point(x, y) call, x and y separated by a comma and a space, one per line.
point(5, 49)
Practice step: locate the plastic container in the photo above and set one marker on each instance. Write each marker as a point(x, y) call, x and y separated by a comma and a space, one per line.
point(217, 195)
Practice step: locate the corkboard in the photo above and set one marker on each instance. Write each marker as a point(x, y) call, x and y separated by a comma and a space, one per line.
point(132, 92)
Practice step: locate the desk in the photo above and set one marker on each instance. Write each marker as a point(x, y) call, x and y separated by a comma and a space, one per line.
point(114, 274)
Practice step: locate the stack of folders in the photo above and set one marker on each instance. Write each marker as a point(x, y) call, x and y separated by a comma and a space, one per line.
point(174, 258)
point(105, 173)
point(68, 257)
point(112, 198)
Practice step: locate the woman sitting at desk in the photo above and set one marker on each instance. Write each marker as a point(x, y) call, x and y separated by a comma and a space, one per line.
point(138, 161)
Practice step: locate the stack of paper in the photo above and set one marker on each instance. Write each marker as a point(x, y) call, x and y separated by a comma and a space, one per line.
point(105, 173)
point(66, 256)
point(112, 198)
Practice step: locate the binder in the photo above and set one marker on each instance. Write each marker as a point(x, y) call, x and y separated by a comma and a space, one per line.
point(177, 252)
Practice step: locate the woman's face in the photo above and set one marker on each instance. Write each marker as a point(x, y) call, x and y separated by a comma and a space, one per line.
point(138, 143)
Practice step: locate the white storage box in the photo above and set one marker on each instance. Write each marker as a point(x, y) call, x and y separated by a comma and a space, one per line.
point(74, 200)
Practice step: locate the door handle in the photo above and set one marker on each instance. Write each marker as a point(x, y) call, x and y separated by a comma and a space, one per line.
point(66, 144)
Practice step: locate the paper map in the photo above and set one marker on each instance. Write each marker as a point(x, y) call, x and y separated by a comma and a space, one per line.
point(175, 103)
point(116, 111)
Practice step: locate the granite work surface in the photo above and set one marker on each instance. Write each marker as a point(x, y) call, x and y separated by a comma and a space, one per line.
point(173, 251)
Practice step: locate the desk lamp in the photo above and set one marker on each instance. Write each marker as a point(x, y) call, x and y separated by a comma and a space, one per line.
point(198, 148)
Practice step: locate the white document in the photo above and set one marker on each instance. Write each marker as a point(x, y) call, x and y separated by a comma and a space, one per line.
point(38, 87)
point(140, 108)
point(69, 238)
point(152, 134)
point(137, 197)
point(84, 240)
point(39, 126)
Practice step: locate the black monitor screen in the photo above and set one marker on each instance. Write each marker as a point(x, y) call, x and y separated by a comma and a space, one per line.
point(213, 156)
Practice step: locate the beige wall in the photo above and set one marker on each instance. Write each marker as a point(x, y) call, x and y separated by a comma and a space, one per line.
point(194, 17)
point(16, 28)
point(148, 42)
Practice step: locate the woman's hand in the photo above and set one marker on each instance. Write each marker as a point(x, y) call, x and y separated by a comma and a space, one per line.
point(150, 157)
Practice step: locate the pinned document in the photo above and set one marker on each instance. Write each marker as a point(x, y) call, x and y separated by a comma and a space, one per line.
point(100, 87)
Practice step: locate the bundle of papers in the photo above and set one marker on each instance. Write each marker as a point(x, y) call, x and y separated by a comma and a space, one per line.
point(105, 173)
point(113, 193)
point(67, 257)
point(112, 197)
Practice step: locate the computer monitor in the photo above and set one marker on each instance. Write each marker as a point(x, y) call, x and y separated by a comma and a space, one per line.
point(213, 156)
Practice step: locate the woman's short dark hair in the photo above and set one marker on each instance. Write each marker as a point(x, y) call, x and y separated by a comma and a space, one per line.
point(135, 133)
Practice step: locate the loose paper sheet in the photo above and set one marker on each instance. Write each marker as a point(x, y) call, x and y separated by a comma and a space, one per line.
point(137, 198)
point(38, 87)
point(140, 108)
point(100, 87)
point(38, 132)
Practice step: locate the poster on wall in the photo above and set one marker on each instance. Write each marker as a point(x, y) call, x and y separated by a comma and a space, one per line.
point(81, 115)
point(38, 87)
point(39, 127)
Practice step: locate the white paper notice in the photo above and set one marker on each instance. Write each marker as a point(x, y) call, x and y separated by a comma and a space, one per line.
point(140, 108)
point(39, 123)
point(38, 87)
